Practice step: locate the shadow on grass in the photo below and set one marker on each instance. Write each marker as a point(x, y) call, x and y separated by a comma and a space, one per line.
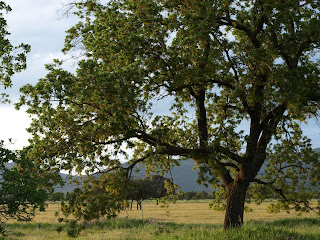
point(17, 230)
point(122, 223)
point(285, 229)
point(294, 222)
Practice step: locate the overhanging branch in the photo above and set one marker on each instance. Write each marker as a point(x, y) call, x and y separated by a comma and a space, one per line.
point(283, 195)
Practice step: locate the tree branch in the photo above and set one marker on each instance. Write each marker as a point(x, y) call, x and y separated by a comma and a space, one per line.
point(228, 165)
point(187, 86)
point(129, 168)
point(202, 119)
point(229, 154)
point(280, 108)
point(179, 151)
point(282, 194)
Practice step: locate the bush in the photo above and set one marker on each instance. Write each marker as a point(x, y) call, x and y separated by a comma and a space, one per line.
point(73, 228)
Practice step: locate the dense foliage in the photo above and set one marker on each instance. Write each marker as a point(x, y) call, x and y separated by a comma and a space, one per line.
point(216, 67)
point(57, 196)
point(99, 197)
point(194, 195)
point(152, 187)
point(24, 186)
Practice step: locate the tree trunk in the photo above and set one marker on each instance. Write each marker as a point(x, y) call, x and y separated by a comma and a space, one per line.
point(139, 204)
point(236, 195)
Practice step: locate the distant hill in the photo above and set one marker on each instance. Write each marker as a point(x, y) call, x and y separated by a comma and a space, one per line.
point(69, 185)
point(316, 150)
point(183, 175)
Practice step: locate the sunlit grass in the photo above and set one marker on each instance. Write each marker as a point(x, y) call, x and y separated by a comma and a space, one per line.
point(183, 220)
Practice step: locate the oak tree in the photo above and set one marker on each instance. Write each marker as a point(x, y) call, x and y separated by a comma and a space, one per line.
point(237, 77)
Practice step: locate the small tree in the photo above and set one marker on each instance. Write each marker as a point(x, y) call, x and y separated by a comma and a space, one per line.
point(158, 184)
point(190, 195)
point(139, 190)
point(202, 195)
point(181, 195)
point(24, 187)
point(57, 196)
point(70, 195)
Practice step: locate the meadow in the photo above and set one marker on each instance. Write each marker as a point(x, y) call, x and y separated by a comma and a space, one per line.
point(181, 220)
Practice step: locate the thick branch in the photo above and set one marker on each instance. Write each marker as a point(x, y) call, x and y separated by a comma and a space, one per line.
point(111, 141)
point(227, 21)
point(202, 119)
point(256, 180)
point(166, 148)
point(273, 114)
point(228, 153)
point(129, 168)
point(189, 85)
point(229, 165)
point(226, 179)
point(270, 127)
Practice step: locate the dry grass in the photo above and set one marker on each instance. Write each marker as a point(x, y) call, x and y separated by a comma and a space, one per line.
point(190, 215)
point(199, 212)
point(188, 212)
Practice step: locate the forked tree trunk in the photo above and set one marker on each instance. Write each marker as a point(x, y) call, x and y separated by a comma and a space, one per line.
point(236, 195)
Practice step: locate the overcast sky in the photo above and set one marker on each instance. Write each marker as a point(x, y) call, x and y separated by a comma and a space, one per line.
point(40, 24)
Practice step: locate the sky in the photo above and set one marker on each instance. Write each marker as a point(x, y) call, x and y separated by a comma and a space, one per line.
point(42, 24)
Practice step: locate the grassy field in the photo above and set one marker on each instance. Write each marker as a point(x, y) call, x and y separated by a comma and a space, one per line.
point(183, 220)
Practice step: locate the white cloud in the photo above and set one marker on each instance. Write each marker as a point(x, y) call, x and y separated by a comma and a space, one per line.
point(13, 125)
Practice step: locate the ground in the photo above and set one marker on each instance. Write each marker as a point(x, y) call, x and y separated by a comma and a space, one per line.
point(182, 220)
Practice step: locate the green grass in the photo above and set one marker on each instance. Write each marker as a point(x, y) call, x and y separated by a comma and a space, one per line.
point(284, 229)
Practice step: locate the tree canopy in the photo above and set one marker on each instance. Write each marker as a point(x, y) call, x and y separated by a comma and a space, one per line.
point(217, 66)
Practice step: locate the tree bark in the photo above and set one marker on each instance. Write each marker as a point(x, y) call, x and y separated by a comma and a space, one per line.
point(236, 195)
